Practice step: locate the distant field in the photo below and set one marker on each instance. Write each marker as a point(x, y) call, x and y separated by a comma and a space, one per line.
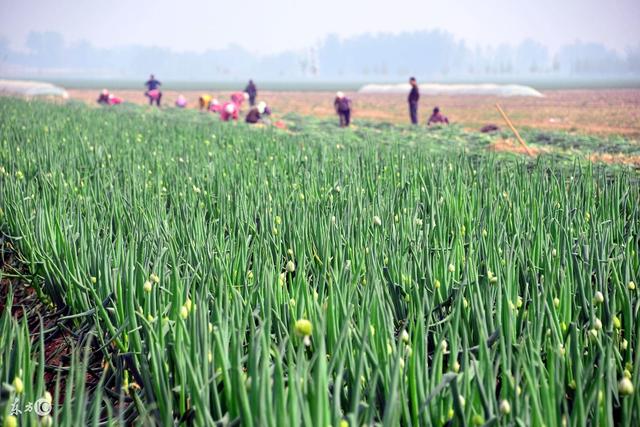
point(601, 111)
point(550, 83)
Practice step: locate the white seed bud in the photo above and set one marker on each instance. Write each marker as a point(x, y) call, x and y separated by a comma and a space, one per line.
point(625, 386)
point(598, 298)
point(505, 407)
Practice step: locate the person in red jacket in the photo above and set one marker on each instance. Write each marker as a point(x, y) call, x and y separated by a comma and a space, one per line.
point(437, 117)
point(229, 111)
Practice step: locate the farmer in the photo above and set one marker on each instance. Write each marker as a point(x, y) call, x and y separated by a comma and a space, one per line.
point(107, 98)
point(414, 97)
point(103, 99)
point(181, 102)
point(239, 97)
point(215, 106)
point(229, 111)
point(204, 101)
point(153, 92)
point(489, 128)
point(437, 117)
point(252, 91)
point(257, 113)
point(342, 104)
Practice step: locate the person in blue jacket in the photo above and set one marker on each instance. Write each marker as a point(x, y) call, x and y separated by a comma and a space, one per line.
point(153, 90)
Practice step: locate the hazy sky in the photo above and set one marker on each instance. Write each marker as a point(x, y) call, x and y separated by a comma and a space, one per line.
point(276, 25)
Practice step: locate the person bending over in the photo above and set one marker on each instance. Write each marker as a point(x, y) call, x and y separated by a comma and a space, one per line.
point(257, 114)
point(181, 102)
point(229, 111)
point(437, 117)
point(204, 101)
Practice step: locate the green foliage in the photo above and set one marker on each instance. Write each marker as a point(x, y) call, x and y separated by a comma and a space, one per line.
point(196, 246)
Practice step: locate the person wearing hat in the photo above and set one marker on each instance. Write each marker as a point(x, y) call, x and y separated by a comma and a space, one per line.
point(239, 97)
point(437, 117)
point(107, 98)
point(342, 105)
point(229, 111)
point(414, 97)
point(215, 106)
point(257, 113)
point(103, 99)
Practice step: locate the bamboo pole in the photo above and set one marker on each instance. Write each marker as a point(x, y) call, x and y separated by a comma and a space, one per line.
point(513, 129)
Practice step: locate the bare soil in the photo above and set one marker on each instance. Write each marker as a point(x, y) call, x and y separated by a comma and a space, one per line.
point(512, 146)
point(61, 336)
point(616, 158)
point(595, 111)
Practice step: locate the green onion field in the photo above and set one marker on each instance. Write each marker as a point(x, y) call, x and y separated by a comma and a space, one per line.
point(201, 273)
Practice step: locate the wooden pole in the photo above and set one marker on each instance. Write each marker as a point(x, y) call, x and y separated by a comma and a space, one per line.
point(513, 129)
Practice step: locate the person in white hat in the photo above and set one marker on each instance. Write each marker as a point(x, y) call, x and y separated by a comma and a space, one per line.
point(107, 98)
point(215, 106)
point(342, 104)
point(229, 111)
point(258, 113)
point(104, 97)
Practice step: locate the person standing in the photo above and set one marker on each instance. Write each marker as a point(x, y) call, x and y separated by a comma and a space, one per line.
point(342, 104)
point(153, 90)
point(107, 98)
point(414, 97)
point(252, 91)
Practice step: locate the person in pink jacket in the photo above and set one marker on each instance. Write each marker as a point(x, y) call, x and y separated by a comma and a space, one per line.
point(181, 102)
point(239, 97)
point(114, 100)
point(215, 106)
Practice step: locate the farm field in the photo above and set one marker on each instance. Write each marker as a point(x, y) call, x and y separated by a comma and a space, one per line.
point(586, 111)
point(163, 268)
